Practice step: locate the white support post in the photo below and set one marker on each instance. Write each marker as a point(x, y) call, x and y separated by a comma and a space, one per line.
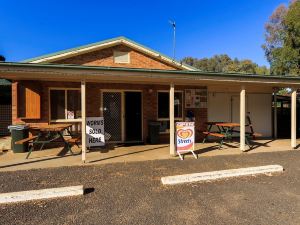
point(83, 121)
point(172, 121)
point(275, 114)
point(242, 117)
point(293, 118)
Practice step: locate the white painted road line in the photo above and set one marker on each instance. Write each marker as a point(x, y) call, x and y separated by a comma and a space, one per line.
point(221, 174)
point(41, 194)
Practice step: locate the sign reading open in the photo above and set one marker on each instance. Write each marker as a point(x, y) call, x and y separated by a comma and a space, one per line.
point(95, 131)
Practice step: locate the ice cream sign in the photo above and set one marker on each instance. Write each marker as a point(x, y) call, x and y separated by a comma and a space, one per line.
point(185, 137)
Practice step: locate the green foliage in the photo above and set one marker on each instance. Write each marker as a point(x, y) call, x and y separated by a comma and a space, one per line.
point(223, 63)
point(2, 58)
point(282, 47)
point(284, 91)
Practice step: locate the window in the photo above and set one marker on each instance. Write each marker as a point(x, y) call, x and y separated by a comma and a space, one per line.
point(163, 109)
point(65, 104)
point(121, 57)
point(163, 105)
point(73, 104)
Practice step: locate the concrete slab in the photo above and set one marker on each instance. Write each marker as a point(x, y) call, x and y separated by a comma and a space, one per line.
point(114, 154)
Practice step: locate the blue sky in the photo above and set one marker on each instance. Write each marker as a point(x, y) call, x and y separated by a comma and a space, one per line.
point(204, 28)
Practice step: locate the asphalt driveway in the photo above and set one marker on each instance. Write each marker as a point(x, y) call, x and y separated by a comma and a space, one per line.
point(133, 194)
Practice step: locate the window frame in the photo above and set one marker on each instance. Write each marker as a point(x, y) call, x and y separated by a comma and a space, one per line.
point(66, 104)
point(166, 119)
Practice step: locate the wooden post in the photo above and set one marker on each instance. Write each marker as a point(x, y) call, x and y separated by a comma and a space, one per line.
point(293, 119)
point(14, 101)
point(242, 117)
point(275, 114)
point(83, 121)
point(172, 121)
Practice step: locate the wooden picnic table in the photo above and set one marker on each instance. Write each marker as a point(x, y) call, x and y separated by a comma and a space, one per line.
point(51, 127)
point(47, 133)
point(226, 132)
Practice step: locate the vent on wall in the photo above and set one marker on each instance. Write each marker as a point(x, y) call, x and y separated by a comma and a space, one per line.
point(121, 57)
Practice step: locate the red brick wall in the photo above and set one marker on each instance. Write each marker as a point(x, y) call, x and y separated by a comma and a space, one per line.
point(104, 57)
point(93, 102)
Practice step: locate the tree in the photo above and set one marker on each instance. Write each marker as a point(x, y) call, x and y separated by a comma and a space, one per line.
point(2, 58)
point(223, 63)
point(282, 47)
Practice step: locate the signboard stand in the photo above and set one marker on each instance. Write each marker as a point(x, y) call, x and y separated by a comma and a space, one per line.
point(185, 138)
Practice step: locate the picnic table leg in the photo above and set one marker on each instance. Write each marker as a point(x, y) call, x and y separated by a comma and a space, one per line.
point(42, 146)
point(29, 152)
point(225, 130)
point(48, 135)
point(230, 133)
point(32, 146)
point(247, 142)
point(221, 143)
point(70, 133)
point(66, 143)
point(204, 139)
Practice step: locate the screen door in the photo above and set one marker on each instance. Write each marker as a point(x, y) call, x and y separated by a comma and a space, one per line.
point(112, 113)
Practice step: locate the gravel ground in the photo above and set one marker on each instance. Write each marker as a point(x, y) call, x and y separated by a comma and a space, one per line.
point(133, 194)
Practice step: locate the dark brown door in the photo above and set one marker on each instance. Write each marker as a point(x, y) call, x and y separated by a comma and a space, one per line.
point(133, 116)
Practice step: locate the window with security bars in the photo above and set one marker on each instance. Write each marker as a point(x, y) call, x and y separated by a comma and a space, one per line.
point(5, 109)
point(5, 119)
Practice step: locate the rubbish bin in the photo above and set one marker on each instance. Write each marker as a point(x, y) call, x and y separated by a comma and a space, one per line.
point(19, 132)
point(153, 132)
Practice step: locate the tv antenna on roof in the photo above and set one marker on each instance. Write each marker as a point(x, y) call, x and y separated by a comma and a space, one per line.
point(173, 24)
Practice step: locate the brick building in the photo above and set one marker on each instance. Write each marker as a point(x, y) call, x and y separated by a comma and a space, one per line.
point(129, 85)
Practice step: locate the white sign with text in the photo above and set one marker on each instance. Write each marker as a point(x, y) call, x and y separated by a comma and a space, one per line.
point(95, 131)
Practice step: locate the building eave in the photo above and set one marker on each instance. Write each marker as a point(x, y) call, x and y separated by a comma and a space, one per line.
point(19, 71)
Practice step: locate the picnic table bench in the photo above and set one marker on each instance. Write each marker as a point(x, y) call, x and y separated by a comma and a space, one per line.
point(219, 135)
point(23, 141)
